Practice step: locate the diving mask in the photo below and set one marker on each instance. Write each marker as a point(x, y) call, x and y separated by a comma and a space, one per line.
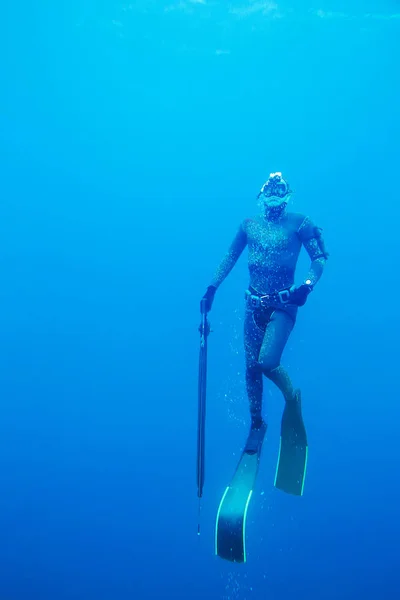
point(275, 190)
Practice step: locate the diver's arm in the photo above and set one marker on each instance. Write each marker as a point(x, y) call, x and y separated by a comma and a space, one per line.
point(315, 271)
point(224, 268)
point(311, 239)
point(314, 244)
point(231, 257)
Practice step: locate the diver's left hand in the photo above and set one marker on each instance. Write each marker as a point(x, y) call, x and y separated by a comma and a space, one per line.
point(299, 294)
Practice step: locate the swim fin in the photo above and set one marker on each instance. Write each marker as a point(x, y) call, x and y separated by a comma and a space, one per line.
point(293, 450)
point(230, 531)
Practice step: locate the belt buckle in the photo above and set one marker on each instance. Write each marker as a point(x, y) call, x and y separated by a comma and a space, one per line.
point(284, 296)
point(255, 301)
point(265, 297)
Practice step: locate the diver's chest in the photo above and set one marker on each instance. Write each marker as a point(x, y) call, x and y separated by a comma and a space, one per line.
point(272, 238)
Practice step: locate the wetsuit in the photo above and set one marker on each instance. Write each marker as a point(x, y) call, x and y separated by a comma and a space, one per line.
point(274, 246)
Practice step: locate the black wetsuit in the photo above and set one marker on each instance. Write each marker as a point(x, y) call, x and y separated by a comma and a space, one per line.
point(274, 246)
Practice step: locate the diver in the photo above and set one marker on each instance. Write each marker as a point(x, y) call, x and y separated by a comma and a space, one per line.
point(274, 239)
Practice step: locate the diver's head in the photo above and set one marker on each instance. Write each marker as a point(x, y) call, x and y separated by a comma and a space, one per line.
point(275, 193)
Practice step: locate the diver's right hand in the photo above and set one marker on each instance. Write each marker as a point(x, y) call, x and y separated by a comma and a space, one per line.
point(208, 298)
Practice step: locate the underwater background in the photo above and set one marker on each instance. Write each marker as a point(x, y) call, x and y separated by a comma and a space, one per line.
point(134, 138)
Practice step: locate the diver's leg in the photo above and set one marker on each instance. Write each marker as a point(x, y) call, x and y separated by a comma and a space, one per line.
point(253, 339)
point(254, 385)
point(280, 377)
point(276, 336)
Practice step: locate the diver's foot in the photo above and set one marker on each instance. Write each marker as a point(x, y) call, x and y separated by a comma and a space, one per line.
point(295, 401)
point(257, 421)
point(292, 418)
point(256, 436)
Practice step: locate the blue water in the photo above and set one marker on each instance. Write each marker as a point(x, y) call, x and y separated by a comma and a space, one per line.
point(134, 138)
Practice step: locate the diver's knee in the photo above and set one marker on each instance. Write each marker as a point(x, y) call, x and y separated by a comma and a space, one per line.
point(268, 364)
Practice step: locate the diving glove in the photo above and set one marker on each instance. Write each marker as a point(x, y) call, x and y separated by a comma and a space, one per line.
point(299, 294)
